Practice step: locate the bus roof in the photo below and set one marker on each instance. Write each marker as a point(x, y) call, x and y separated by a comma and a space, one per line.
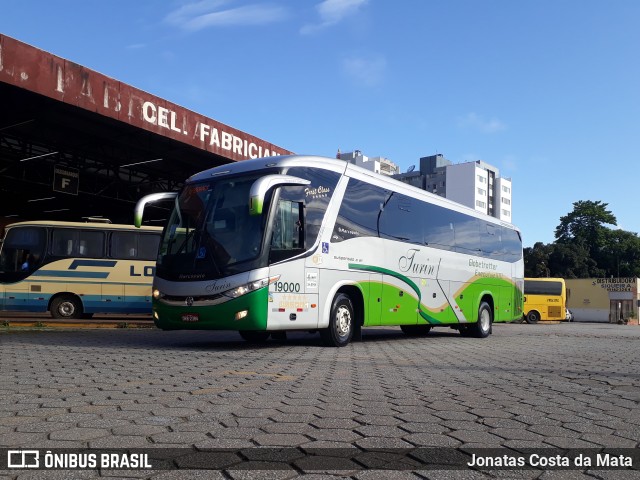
point(85, 225)
point(346, 168)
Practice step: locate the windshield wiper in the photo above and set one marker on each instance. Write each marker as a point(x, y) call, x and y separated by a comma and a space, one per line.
point(186, 240)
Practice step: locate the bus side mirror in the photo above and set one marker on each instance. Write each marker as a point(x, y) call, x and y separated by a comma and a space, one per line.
point(261, 186)
point(152, 198)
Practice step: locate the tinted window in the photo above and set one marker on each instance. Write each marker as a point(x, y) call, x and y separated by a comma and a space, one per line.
point(420, 222)
point(490, 240)
point(359, 212)
point(536, 287)
point(467, 234)
point(438, 230)
point(402, 219)
point(77, 243)
point(148, 246)
point(512, 244)
point(124, 245)
point(134, 245)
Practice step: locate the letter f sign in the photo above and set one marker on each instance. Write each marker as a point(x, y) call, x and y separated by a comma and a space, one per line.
point(65, 182)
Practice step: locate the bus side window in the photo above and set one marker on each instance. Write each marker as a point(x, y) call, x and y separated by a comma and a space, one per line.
point(124, 245)
point(148, 246)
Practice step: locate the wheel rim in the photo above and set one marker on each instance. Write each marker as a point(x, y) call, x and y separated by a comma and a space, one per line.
point(343, 321)
point(485, 320)
point(66, 309)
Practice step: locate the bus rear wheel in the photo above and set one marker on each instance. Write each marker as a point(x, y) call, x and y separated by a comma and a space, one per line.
point(66, 307)
point(482, 328)
point(533, 317)
point(341, 322)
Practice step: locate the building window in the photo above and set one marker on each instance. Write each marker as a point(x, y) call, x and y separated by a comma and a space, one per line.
point(506, 201)
point(481, 204)
point(506, 213)
point(482, 192)
point(482, 179)
point(506, 189)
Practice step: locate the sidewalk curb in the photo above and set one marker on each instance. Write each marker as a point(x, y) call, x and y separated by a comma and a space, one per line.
point(99, 324)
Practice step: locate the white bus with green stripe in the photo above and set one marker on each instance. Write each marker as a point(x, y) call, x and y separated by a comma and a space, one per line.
point(289, 243)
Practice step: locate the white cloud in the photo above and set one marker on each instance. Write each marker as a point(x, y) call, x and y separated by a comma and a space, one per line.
point(366, 71)
point(211, 13)
point(484, 125)
point(332, 12)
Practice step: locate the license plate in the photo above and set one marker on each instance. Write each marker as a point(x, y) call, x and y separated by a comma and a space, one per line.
point(190, 317)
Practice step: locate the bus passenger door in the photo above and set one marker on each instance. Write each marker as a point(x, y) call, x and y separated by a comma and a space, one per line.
point(399, 304)
point(290, 303)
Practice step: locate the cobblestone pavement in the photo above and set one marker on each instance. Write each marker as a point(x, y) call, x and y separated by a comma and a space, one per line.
point(527, 386)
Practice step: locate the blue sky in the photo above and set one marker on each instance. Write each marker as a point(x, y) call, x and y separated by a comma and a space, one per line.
point(547, 91)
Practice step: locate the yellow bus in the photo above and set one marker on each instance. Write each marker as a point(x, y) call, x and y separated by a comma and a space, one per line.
point(544, 299)
point(74, 269)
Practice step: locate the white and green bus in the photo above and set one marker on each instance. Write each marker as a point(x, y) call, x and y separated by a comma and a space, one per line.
point(307, 243)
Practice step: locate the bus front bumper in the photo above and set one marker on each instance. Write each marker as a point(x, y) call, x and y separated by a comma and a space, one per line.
point(248, 312)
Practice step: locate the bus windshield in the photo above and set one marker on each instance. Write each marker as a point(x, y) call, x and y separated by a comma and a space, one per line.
point(210, 233)
point(22, 250)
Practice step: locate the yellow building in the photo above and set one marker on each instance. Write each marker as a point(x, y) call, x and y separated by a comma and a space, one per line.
point(603, 299)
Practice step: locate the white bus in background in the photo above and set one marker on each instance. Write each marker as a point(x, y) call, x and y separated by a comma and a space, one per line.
point(74, 269)
point(307, 243)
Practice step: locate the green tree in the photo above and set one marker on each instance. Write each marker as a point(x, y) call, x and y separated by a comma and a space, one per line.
point(586, 247)
point(620, 254)
point(571, 261)
point(536, 260)
point(585, 229)
point(585, 224)
point(557, 260)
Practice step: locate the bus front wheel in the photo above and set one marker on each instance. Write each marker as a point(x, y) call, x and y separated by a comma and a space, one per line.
point(533, 317)
point(341, 322)
point(66, 307)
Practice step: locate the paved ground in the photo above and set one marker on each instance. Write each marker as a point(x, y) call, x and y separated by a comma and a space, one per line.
point(527, 386)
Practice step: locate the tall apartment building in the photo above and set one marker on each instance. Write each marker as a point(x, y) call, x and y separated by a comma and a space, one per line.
point(475, 184)
point(381, 165)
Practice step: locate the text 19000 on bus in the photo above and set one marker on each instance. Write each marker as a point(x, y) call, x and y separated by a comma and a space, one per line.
point(308, 243)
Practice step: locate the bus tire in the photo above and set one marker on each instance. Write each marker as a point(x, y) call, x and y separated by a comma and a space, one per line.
point(482, 328)
point(66, 307)
point(415, 330)
point(341, 322)
point(254, 336)
point(532, 317)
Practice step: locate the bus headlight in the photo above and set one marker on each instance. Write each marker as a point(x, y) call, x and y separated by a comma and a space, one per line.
point(250, 287)
point(156, 294)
